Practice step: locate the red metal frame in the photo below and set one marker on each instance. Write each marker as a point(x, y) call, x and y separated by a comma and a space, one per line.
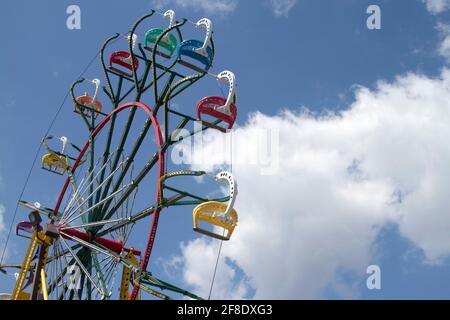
point(112, 245)
point(119, 58)
point(209, 107)
point(161, 164)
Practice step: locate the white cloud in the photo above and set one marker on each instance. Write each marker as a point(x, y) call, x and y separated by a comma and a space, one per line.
point(198, 261)
point(208, 7)
point(444, 47)
point(437, 6)
point(342, 177)
point(281, 8)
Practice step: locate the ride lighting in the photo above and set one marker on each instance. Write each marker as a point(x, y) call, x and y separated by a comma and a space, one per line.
point(35, 218)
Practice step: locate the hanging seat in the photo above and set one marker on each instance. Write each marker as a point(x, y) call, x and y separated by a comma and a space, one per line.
point(89, 105)
point(211, 106)
point(197, 50)
point(169, 42)
point(123, 59)
point(56, 162)
point(188, 49)
point(218, 214)
point(219, 107)
point(213, 213)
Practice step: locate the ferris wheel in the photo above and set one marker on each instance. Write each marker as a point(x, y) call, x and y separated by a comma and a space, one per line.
point(96, 241)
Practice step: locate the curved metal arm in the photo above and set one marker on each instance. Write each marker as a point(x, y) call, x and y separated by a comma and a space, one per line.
point(160, 38)
point(45, 145)
point(134, 39)
point(221, 177)
point(227, 177)
point(97, 84)
point(131, 47)
point(175, 174)
point(229, 77)
point(72, 89)
point(168, 96)
point(170, 14)
point(64, 141)
point(102, 61)
point(205, 23)
point(77, 106)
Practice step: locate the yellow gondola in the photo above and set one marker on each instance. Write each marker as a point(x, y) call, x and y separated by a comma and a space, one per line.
point(54, 162)
point(213, 212)
point(218, 214)
point(57, 162)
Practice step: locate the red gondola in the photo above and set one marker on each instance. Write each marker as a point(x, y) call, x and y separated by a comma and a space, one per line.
point(123, 59)
point(219, 107)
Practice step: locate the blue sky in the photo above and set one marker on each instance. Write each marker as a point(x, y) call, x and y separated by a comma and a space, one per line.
point(312, 54)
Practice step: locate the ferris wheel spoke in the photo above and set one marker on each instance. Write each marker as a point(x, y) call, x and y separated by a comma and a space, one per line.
point(132, 186)
point(140, 215)
point(59, 274)
point(99, 273)
point(98, 223)
point(82, 267)
point(107, 155)
point(63, 263)
point(120, 148)
point(74, 210)
point(91, 162)
point(73, 194)
point(57, 266)
point(90, 246)
point(141, 175)
point(60, 263)
point(113, 275)
point(75, 197)
point(52, 269)
point(76, 289)
point(130, 158)
point(67, 222)
point(65, 287)
point(124, 212)
point(102, 212)
point(127, 229)
point(102, 268)
point(74, 186)
point(78, 191)
point(108, 265)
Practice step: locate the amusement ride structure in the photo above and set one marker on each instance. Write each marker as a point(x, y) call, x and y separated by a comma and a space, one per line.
point(96, 241)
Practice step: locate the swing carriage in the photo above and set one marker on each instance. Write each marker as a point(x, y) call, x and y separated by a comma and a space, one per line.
point(78, 247)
